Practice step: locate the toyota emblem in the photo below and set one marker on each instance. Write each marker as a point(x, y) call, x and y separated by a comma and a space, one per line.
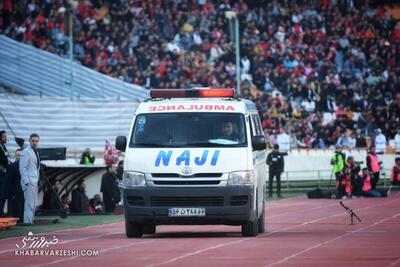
point(186, 171)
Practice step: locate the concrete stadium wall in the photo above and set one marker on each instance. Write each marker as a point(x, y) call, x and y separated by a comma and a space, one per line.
point(299, 165)
point(304, 164)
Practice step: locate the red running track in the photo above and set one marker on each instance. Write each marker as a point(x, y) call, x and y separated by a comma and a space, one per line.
point(301, 232)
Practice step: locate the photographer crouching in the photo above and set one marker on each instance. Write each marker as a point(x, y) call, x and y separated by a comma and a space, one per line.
point(346, 184)
point(354, 169)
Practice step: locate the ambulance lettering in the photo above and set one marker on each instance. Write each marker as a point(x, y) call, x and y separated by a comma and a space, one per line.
point(164, 158)
point(191, 107)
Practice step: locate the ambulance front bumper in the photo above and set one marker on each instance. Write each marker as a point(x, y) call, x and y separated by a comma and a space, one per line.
point(223, 205)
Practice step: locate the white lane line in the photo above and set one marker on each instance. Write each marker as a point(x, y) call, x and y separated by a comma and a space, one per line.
point(270, 233)
point(101, 235)
point(64, 230)
point(270, 207)
point(100, 252)
point(285, 200)
point(331, 240)
point(295, 231)
point(232, 243)
point(72, 240)
point(227, 258)
point(301, 211)
point(197, 252)
point(371, 231)
point(396, 262)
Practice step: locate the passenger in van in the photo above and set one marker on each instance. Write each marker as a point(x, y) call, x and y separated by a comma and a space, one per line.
point(228, 131)
point(155, 134)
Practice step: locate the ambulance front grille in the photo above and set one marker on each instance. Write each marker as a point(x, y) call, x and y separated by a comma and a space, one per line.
point(135, 200)
point(180, 182)
point(239, 200)
point(196, 175)
point(187, 201)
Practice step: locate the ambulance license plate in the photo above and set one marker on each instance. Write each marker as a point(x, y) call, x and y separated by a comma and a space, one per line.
point(186, 212)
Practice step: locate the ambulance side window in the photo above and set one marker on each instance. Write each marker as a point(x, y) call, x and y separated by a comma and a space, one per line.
point(255, 125)
point(260, 129)
point(251, 126)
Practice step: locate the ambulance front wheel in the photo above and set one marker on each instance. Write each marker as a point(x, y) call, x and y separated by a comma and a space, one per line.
point(133, 229)
point(250, 228)
point(149, 229)
point(261, 222)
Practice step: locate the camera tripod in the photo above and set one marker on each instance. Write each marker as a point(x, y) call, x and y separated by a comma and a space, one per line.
point(351, 212)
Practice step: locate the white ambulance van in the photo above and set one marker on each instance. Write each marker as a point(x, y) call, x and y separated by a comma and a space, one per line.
point(194, 156)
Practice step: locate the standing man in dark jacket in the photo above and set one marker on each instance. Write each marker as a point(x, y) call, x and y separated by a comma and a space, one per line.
point(51, 200)
point(80, 201)
point(276, 166)
point(109, 188)
point(16, 195)
point(4, 163)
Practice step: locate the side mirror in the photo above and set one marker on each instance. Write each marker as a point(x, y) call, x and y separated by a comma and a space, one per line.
point(120, 143)
point(258, 142)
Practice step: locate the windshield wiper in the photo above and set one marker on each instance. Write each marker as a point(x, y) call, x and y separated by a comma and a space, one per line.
point(149, 145)
point(209, 144)
point(158, 145)
point(194, 144)
point(200, 144)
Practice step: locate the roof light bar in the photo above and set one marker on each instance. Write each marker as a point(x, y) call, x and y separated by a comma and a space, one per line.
point(182, 93)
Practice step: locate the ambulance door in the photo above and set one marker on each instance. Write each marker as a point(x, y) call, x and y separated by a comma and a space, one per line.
point(259, 162)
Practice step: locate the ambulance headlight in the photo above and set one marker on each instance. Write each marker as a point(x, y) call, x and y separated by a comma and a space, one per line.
point(240, 178)
point(131, 179)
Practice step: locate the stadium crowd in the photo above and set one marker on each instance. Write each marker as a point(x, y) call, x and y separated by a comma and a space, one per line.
point(323, 72)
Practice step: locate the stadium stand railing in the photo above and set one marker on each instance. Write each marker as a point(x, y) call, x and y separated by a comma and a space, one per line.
point(64, 123)
point(303, 180)
point(33, 71)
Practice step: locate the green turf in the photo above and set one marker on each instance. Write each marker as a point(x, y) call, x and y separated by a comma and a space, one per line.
point(85, 220)
point(286, 194)
point(70, 222)
point(293, 189)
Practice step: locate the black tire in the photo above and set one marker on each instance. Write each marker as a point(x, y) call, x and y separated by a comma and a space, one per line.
point(149, 229)
point(250, 228)
point(261, 221)
point(133, 229)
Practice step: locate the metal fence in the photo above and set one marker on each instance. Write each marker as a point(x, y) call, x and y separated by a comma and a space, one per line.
point(33, 71)
point(309, 179)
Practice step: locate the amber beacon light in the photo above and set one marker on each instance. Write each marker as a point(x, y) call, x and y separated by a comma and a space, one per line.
point(203, 92)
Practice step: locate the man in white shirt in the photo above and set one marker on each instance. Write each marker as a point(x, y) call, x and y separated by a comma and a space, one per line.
point(352, 141)
point(245, 65)
point(380, 142)
point(283, 140)
point(397, 141)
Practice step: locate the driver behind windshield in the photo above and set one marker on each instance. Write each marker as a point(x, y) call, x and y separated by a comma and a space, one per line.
point(228, 131)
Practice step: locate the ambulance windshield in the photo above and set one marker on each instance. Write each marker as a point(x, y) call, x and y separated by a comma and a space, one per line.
point(189, 130)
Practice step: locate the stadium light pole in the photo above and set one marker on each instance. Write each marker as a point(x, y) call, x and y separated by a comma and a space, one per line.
point(71, 52)
point(233, 15)
point(68, 20)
